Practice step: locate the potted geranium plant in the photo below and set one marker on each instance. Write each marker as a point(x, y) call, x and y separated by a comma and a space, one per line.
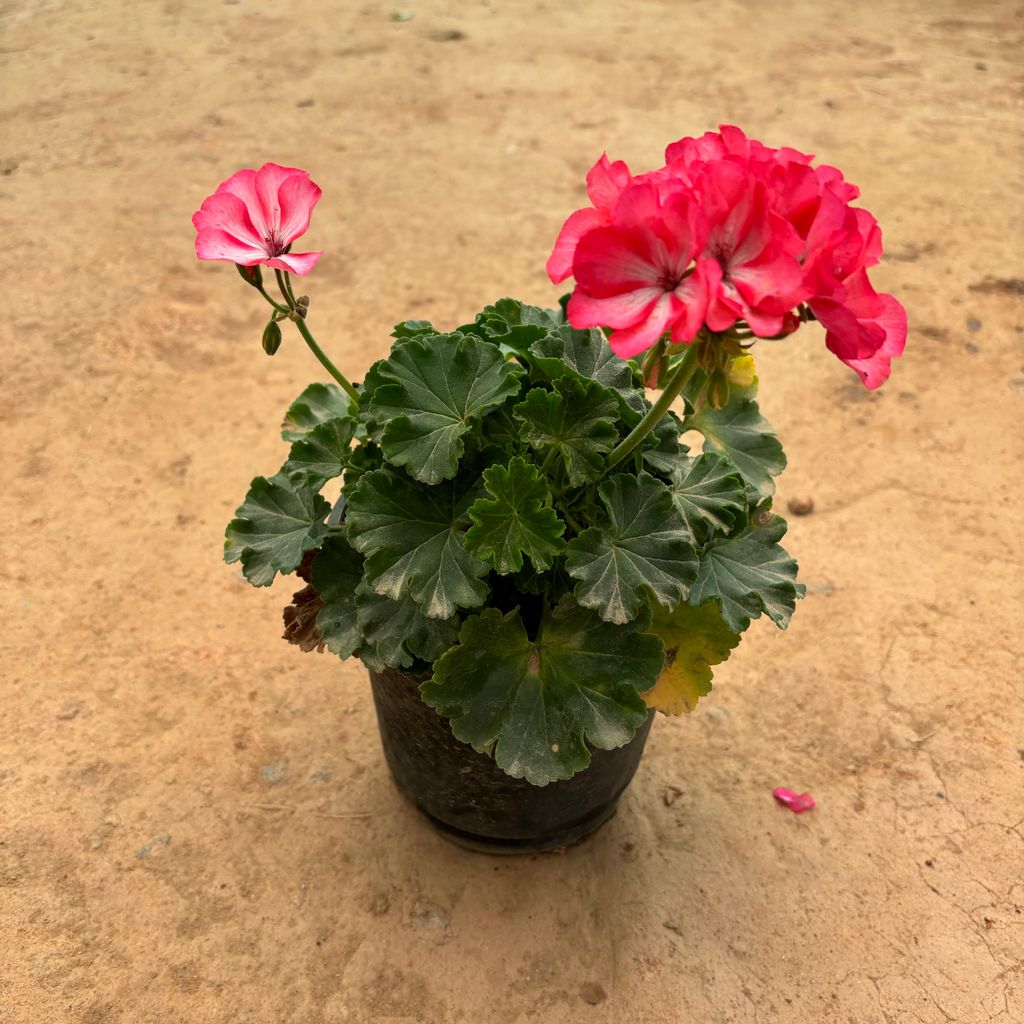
point(514, 540)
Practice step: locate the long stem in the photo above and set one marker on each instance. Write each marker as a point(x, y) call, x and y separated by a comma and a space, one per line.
point(276, 305)
point(675, 384)
point(322, 356)
point(300, 323)
point(285, 291)
point(288, 287)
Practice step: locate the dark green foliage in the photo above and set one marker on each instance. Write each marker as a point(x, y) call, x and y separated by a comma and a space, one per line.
point(480, 534)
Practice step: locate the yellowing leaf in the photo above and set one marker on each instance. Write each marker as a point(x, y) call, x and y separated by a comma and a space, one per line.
point(695, 639)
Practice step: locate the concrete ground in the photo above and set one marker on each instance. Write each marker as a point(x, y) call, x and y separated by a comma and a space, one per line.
point(195, 819)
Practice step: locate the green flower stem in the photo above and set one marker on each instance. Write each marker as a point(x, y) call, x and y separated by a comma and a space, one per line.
point(322, 356)
point(673, 387)
point(288, 287)
point(285, 285)
point(276, 305)
point(285, 290)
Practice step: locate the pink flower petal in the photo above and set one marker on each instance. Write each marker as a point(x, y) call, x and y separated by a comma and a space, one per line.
point(216, 244)
point(605, 182)
point(225, 212)
point(691, 301)
point(300, 263)
point(874, 370)
point(612, 260)
point(559, 265)
point(616, 311)
point(796, 802)
point(269, 179)
point(631, 341)
point(297, 196)
point(243, 184)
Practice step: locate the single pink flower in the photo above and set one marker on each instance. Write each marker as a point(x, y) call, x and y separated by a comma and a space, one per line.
point(864, 328)
point(754, 273)
point(863, 319)
point(796, 802)
point(636, 274)
point(254, 217)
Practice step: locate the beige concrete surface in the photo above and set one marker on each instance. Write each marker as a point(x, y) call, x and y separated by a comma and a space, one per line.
point(195, 820)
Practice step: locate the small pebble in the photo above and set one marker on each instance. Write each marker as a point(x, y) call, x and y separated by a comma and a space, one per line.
point(670, 795)
point(592, 993)
point(802, 506)
point(275, 772)
point(973, 324)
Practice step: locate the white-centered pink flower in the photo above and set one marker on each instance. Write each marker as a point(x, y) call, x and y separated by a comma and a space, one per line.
point(255, 216)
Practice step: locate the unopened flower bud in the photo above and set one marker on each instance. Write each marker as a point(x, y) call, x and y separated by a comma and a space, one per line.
point(250, 275)
point(718, 389)
point(271, 338)
point(302, 305)
point(708, 356)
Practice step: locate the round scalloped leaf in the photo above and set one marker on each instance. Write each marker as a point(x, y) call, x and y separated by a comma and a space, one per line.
point(535, 705)
point(337, 570)
point(397, 633)
point(412, 537)
point(323, 453)
point(642, 551)
point(278, 522)
point(317, 404)
point(587, 355)
point(576, 420)
point(662, 449)
point(748, 574)
point(433, 389)
point(740, 433)
point(515, 519)
point(694, 639)
point(709, 494)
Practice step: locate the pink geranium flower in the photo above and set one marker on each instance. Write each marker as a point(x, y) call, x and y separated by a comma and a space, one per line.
point(636, 273)
point(728, 231)
point(255, 216)
point(864, 328)
point(755, 275)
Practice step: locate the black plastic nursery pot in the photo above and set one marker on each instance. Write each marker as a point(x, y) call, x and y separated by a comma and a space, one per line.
point(473, 802)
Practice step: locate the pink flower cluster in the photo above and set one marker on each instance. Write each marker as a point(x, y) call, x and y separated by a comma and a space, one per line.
point(728, 230)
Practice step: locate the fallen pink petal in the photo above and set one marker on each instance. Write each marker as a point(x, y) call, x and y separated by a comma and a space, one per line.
point(796, 802)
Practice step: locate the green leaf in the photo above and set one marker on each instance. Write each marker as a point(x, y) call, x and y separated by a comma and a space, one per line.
point(397, 633)
point(412, 536)
point(537, 704)
point(516, 313)
point(437, 387)
point(517, 519)
point(748, 574)
point(709, 494)
point(337, 570)
point(278, 522)
point(576, 421)
point(662, 450)
point(642, 551)
point(586, 354)
point(740, 433)
point(694, 639)
point(413, 328)
point(323, 453)
point(317, 404)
